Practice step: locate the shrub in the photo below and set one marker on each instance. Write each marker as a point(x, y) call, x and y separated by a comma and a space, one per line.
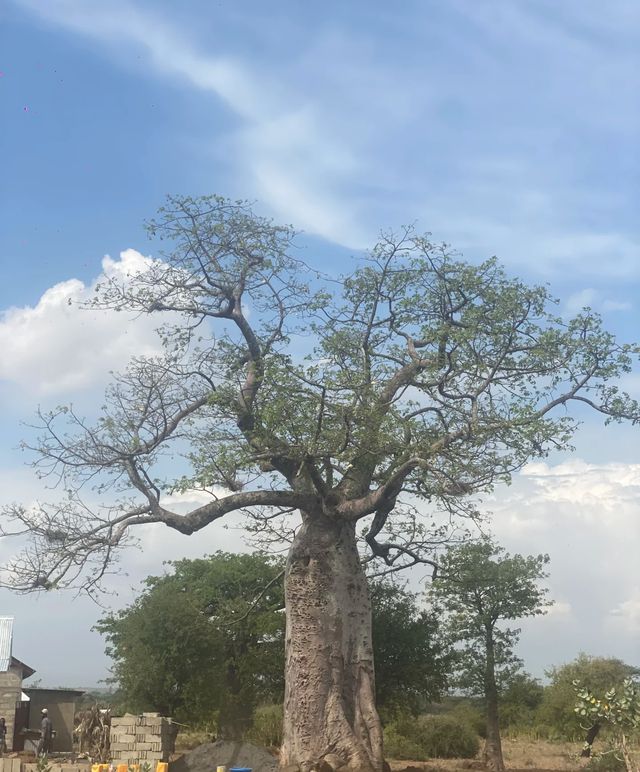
point(426, 737)
point(471, 715)
point(397, 746)
point(446, 737)
point(267, 726)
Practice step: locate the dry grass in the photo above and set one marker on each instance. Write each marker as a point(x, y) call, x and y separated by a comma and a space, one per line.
point(524, 754)
point(519, 754)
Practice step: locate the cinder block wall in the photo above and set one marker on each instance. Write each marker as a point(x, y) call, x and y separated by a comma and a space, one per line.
point(10, 690)
point(135, 739)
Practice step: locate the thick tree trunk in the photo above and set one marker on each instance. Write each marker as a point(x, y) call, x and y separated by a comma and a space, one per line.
point(330, 716)
point(593, 732)
point(493, 745)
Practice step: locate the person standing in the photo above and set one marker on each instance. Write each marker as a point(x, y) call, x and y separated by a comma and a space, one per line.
point(46, 734)
point(3, 736)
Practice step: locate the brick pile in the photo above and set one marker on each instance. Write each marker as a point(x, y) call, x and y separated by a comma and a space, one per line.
point(138, 739)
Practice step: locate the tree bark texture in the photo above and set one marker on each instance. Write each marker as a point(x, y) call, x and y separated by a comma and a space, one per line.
point(493, 745)
point(330, 717)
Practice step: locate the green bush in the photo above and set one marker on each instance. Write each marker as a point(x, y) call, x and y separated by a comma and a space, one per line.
point(471, 715)
point(425, 737)
point(267, 726)
point(397, 746)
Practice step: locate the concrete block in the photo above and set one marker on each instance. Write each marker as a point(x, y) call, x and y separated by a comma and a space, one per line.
point(124, 728)
point(123, 721)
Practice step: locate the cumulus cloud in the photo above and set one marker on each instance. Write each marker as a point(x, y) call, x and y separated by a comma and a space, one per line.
point(58, 348)
point(586, 517)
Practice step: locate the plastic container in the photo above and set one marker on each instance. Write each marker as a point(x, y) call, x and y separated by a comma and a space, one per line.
point(241, 769)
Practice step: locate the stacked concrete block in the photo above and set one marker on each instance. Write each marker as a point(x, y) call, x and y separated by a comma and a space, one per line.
point(10, 765)
point(138, 739)
point(54, 767)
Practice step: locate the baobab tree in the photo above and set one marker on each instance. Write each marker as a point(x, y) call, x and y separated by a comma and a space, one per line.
point(357, 404)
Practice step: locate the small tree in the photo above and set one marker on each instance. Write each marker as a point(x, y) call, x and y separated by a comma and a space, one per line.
point(619, 707)
point(519, 700)
point(394, 391)
point(479, 585)
point(205, 639)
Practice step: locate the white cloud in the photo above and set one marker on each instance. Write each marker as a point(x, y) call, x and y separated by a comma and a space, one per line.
point(592, 492)
point(626, 614)
point(593, 299)
point(56, 347)
point(559, 608)
point(587, 518)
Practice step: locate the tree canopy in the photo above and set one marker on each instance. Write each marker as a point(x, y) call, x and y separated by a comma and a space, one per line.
point(412, 658)
point(415, 373)
point(203, 643)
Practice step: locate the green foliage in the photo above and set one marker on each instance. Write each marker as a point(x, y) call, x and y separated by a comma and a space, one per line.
point(267, 726)
point(471, 715)
point(398, 746)
point(598, 674)
point(619, 706)
point(195, 645)
point(412, 660)
point(478, 586)
point(519, 701)
point(429, 736)
point(42, 764)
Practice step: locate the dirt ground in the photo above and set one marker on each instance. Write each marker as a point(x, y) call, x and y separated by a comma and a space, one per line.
point(519, 756)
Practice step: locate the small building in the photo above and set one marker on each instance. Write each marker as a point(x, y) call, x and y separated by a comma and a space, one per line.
point(61, 706)
point(22, 706)
point(12, 674)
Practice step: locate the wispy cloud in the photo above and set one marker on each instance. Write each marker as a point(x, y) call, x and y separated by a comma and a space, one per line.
point(483, 122)
point(288, 161)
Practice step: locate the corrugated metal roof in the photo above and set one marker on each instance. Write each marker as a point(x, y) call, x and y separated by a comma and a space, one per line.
point(6, 642)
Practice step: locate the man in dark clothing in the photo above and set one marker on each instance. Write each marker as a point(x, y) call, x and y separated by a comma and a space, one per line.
point(46, 734)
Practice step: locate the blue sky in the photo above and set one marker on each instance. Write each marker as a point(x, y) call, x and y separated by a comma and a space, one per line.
point(503, 128)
